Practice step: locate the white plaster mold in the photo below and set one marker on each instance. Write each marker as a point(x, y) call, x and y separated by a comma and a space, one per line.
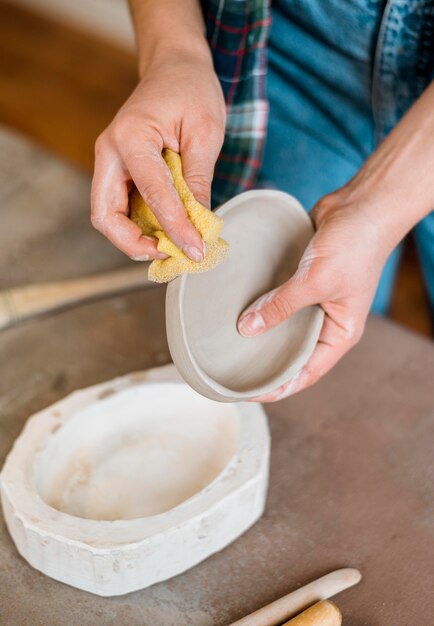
point(133, 481)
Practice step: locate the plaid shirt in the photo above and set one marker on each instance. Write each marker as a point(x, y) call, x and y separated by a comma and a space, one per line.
point(237, 32)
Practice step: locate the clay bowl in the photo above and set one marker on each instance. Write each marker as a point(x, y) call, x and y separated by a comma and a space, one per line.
point(133, 481)
point(268, 232)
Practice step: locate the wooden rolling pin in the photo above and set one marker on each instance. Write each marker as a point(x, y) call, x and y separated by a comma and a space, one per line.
point(294, 603)
point(20, 303)
point(324, 613)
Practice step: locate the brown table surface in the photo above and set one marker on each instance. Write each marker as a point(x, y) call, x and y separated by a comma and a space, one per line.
point(351, 479)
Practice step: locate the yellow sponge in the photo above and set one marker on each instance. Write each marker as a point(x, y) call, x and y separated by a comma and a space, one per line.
point(207, 223)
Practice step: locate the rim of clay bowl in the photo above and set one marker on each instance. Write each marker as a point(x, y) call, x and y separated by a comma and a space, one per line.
point(183, 356)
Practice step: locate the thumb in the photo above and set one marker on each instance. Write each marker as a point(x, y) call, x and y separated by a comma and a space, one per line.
point(276, 306)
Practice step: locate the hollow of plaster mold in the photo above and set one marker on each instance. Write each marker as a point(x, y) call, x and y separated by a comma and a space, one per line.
point(137, 454)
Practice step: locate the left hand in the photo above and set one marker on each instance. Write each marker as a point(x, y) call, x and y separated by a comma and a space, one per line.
point(339, 270)
point(357, 228)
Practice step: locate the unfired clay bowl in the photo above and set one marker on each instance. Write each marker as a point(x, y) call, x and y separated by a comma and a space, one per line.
point(268, 232)
point(133, 481)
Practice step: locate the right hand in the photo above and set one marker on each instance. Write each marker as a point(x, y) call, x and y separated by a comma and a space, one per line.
point(178, 104)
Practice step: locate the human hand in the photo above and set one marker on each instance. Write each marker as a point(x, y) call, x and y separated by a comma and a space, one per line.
point(339, 270)
point(357, 228)
point(178, 104)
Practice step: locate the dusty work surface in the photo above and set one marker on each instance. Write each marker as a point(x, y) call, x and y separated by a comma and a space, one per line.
point(351, 467)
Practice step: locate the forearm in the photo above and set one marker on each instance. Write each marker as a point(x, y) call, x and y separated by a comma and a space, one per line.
point(398, 179)
point(165, 27)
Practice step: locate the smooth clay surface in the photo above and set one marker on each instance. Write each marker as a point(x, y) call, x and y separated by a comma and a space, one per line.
point(137, 453)
point(267, 232)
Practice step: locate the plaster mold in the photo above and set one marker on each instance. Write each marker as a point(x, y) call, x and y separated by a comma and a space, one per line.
point(133, 481)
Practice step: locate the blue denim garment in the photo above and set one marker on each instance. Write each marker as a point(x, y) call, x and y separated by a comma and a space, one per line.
point(340, 76)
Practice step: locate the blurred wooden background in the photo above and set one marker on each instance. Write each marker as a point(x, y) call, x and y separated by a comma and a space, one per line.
point(61, 86)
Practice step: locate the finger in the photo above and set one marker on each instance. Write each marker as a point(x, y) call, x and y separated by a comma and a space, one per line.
point(109, 209)
point(276, 306)
point(126, 236)
point(281, 392)
point(154, 182)
point(199, 156)
point(334, 341)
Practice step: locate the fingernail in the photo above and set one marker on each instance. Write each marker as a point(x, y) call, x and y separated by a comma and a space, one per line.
point(251, 324)
point(143, 257)
point(146, 257)
point(194, 253)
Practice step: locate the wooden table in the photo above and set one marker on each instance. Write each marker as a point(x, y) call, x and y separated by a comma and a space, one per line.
point(352, 459)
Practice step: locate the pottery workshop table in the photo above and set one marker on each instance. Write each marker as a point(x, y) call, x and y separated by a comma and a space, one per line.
point(351, 479)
